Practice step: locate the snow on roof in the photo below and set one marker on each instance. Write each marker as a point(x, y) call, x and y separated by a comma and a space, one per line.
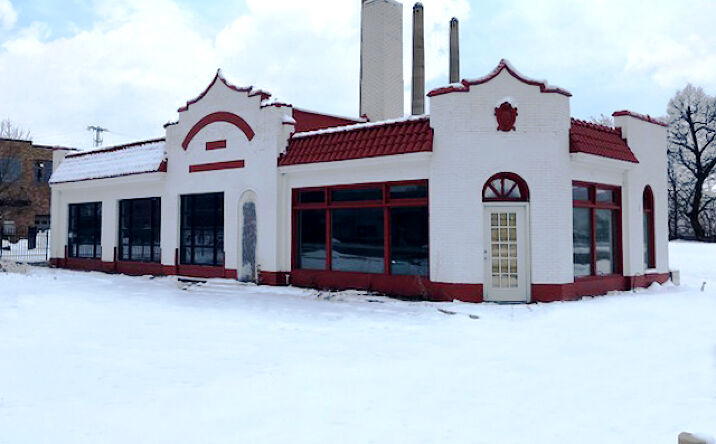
point(357, 126)
point(141, 157)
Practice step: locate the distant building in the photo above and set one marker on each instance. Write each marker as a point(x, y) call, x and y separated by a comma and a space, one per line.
point(25, 170)
point(497, 194)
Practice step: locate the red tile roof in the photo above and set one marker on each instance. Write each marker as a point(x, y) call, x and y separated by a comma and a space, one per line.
point(600, 140)
point(359, 141)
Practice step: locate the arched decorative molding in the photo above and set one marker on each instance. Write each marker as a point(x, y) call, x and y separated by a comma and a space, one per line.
point(649, 232)
point(505, 187)
point(221, 116)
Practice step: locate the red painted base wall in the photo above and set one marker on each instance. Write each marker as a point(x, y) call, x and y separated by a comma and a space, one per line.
point(411, 287)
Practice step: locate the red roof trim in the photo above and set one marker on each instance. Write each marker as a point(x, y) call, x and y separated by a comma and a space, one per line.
point(221, 116)
point(503, 65)
point(116, 148)
point(599, 140)
point(644, 117)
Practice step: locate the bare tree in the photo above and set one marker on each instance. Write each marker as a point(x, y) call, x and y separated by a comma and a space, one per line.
point(9, 130)
point(692, 154)
point(11, 190)
point(602, 120)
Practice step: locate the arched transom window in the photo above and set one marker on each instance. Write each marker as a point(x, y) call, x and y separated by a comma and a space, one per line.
point(505, 187)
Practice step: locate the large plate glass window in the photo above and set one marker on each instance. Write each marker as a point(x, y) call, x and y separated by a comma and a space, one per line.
point(369, 228)
point(596, 216)
point(85, 228)
point(202, 229)
point(139, 227)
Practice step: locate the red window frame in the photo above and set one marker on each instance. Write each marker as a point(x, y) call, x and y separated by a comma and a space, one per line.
point(385, 202)
point(593, 205)
point(648, 207)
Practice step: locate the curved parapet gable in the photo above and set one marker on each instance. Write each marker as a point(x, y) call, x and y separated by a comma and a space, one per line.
point(504, 65)
point(221, 116)
point(218, 77)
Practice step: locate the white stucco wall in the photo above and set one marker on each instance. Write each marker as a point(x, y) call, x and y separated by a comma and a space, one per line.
point(258, 175)
point(109, 192)
point(468, 149)
point(648, 142)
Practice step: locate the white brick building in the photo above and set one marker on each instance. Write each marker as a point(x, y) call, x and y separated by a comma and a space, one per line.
point(496, 195)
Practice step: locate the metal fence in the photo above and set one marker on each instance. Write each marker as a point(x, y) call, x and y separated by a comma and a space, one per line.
point(35, 248)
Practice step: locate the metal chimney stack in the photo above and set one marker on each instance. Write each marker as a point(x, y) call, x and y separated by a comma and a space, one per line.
point(454, 51)
point(418, 84)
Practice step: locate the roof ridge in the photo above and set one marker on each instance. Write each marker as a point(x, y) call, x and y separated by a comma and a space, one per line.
point(362, 126)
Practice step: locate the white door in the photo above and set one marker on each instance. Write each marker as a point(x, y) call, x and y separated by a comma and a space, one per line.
point(506, 261)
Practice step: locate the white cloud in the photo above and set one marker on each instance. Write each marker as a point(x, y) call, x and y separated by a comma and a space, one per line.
point(8, 16)
point(142, 60)
point(634, 54)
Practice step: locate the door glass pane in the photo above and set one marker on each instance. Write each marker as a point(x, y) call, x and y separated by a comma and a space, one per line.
point(357, 240)
point(581, 238)
point(504, 269)
point(312, 239)
point(605, 242)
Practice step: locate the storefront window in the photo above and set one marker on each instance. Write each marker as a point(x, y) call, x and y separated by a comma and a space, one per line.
point(85, 228)
point(374, 228)
point(202, 229)
point(596, 216)
point(139, 228)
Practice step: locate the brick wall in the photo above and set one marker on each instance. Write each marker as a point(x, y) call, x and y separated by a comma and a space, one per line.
point(25, 198)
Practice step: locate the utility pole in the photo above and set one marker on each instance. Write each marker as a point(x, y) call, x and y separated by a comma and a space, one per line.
point(98, 130)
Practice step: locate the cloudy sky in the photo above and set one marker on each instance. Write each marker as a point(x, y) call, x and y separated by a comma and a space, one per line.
point(128, 65)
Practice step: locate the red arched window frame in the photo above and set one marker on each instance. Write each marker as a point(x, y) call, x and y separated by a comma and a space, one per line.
point(649, 237)
point(505, 187)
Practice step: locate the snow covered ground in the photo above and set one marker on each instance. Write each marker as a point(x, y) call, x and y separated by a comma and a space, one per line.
point(90, 357)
